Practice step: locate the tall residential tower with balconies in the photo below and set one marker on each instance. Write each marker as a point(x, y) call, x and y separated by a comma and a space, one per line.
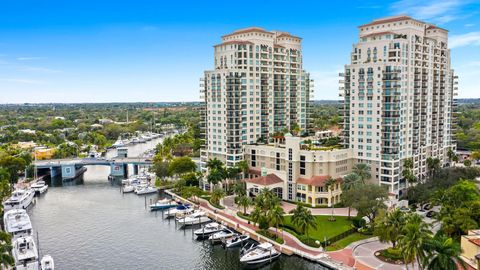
point(257, 87)
point(398, 98)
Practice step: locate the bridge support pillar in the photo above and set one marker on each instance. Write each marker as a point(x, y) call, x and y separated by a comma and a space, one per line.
point(125, 170)
point(118, 169)
point(135, 169)
point(55, 171)
point(69, 171)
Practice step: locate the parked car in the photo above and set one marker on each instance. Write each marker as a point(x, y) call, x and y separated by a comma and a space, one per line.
point(427, 206)
point(431, 214)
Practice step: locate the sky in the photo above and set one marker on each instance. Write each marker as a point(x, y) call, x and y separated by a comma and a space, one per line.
point(152, 51)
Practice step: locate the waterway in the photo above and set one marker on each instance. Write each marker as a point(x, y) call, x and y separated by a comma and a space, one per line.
point(89, 224)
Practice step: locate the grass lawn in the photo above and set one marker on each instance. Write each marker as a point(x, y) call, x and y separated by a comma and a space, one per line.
point(341, 244)
point(325, 227)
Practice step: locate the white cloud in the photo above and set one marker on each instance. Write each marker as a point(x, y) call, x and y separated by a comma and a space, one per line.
point(23, 81)
point(468, 39)
point(30, 58)
point(431, 10)
point(469, 25)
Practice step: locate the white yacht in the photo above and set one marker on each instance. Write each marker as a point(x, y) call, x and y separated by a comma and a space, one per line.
point(237, 240)
point(47, 263)
point(119, 143)
point(221, 236)
point(179, 210)
point(39, 187)
point(141, 190)
point(17, 223)
point(128, 188)
point(262, 253)
point(20, 199)
point(198, 217)
point(208, 230)
point(25, 253)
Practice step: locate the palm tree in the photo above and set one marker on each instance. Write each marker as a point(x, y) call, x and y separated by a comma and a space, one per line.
point(303, 219)
point(330, 185)
point(412, 241)
point(451, 155)
point(256, 215)
point(244, 201)
point(433, 165)
point(6, 258)
point(217, 195)
point(407, 172)
point(443, 253)
point(215, 176)
point(389, 227)
point(362, 170)
point(214, 164)
point(240, 189)
point(276, 216)
point(350, 181)
point(243, 166)
point(231, 173)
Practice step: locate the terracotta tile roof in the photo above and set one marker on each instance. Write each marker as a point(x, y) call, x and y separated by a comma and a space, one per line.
point(287, 35)
point(316, 180)
point(476, 241)
point(248, 30)
point(436, 27)
point(378, 33)
point(387, 20)
point(233, 42)
point(254, 171)
point(267, 180)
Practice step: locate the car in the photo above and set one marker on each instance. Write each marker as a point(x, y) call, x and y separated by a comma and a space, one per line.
point(427, 206)
point(404, 209)
point(431, 214)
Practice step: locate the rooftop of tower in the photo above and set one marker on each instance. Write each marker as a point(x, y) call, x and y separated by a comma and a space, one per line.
point(398, 18)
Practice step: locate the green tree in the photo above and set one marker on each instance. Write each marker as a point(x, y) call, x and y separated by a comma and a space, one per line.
point(412, 241)
point(350, 181)
point(244, 201)
point(182, 165)
point(275, 216)
point(243, 166)
point(160, 168)
point(303, 219)
point(240, 188)
point(451, 154)
point(408, 174)
point(217, 195)
point(6, 258)
point(433, 165)
point(362, 170)
point(367, 199)
point(467, 163)
point(443, 253)
point(389, 226)
point(215, 176)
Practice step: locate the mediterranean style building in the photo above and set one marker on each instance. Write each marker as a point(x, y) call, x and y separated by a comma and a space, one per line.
point(257, 88)
point(298, 170)
point(398, 95)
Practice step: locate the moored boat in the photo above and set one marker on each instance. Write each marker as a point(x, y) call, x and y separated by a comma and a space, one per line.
point(20, 199)
point(17, 223)
point(25, 253)
point(236, 241)
point(208, 230)
point(198, 217)
point(47, 263)
point(221, 236)
point(179, 210)
point(260, 254)
point(39, 187)
point(128, 188)
point(163, 204)
point(142, 190)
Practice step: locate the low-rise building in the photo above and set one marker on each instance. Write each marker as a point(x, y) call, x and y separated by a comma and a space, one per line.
point(297, 171)
point(470, 244)
point(26, 145)
point(44, 153)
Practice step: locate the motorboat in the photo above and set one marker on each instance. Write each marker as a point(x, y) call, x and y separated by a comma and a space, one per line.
point(198, 217)
point(17, 223)
point(163, 204)
point(141, 190)
point(236, 240)
point(39, 187)
point(25, 253)
point(119, 143)
point(135, 140)
point(259, 254)
point(128, 188)
point(221, 236)
point(179, 210)
point(20, 199)
point(208, 230)
point(47, 263)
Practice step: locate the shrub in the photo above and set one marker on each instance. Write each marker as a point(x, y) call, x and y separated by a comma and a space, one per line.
point(392, 254)
point(358, 222)
point(270, 235)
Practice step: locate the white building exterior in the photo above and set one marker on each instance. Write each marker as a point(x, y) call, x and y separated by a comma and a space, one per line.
point(257, 87)
point(398, 98)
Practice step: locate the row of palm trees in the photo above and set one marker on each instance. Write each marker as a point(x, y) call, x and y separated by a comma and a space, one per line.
point(409, 234)
point(218, 173)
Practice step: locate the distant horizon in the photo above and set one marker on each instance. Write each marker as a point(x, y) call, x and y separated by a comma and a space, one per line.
point(68, 52)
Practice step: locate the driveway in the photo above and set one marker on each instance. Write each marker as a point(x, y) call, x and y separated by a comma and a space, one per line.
point(365, 254)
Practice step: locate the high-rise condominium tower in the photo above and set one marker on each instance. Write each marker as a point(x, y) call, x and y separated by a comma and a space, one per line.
point(398, 98)
point(257, 87)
